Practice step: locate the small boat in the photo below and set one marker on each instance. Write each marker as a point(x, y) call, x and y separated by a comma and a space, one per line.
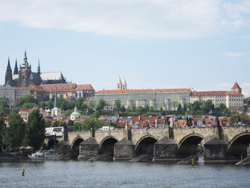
point(49, 154)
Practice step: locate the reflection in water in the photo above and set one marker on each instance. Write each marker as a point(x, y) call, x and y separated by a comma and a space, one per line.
point(76, 173)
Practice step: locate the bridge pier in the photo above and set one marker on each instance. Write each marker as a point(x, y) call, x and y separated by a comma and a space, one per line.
point(124, 150)
point(165, 149)
point(215, 150)
point(88, 149)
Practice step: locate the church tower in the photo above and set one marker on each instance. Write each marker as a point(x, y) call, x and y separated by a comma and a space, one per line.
point(24, 73)
point(8, 75)
point(236, 87)
point(16, 69)
point(119, 84)
point(124, 84)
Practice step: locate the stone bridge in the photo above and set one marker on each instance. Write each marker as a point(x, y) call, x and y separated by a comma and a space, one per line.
point(220, 143)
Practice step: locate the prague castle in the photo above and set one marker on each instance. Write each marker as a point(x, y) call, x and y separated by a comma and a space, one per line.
point(24, 77)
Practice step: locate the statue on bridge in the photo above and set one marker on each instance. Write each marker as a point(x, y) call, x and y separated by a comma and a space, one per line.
point(189, 121)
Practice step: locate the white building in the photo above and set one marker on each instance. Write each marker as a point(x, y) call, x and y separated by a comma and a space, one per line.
point(232, 99)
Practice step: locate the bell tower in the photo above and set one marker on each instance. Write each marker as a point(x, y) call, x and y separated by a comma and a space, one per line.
point(24, 72)
point(119, 84)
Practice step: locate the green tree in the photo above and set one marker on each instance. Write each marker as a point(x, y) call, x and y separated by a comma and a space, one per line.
point(96, 123)
point(196, 105)
point(48, 123)
point(139, 109)
point(96, 114)
point(117, 105)
point(16, 130)
point(4, 108)
point(179, 109)
point(50, 103)
point(189, 107)
point(43, 105)
point(146, 108)
point(123, 109)
point(35, 130)
point(70, 123)
point(128, 109)
point(100, 104)
point(92, 104)
point(29, 105)
point(79, 103)
point(2, 131)
point(184, 108)
point(207, 106)
point(79, 126)
point(222, 106)
point(133, 108)
point(161, 110)
point(26, 99)
point(151, 108)
point(57, 123)
point(175, 104)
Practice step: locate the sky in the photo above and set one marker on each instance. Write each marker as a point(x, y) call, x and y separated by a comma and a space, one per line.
point(154, 44)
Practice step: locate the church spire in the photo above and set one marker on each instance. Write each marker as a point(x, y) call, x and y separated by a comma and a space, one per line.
point(38, 68)
point(55, 103)
point(16, 69)
point(119, 80)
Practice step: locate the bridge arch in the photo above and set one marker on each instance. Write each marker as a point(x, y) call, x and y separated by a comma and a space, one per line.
point(107, 146)
point(51, 143)
point(238, 145)
point(145, 145)
point(188, 145)
point(75, 145)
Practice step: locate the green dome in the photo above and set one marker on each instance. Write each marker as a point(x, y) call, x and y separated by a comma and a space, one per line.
point(75, 112)
point(48, 111)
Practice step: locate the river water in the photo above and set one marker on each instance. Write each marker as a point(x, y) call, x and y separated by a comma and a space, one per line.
point(74, 173)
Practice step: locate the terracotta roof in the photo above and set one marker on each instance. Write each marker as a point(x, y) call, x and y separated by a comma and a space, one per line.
point(142, 90)
point(236, 86)
point(84, 87)
point(37, 88)
point(213, 93)
point(59, 87)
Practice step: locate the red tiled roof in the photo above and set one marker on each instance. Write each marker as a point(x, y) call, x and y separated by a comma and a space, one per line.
point(236, 86)
point(37, 88)
point(84, 87)
point(59, 87)
point(141, 90)
point(212, 93)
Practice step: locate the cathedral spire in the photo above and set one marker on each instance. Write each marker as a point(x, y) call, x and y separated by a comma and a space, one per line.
point(8, 74)
point(8, 63)
point(38, 68)
point(25, 62)
point(16, 69)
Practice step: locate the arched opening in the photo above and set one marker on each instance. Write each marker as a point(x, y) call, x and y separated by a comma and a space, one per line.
point(51, 143)
point(75, 147)
point(107, 147)
point(145, 146)
point(238, 146)
point(190, 146)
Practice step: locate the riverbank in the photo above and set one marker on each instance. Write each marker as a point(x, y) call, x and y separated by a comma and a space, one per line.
point(13, 155)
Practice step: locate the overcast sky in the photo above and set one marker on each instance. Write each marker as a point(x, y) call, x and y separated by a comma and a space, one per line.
point(153, 43)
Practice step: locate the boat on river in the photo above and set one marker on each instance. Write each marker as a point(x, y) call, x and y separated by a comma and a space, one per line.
point(50, 154)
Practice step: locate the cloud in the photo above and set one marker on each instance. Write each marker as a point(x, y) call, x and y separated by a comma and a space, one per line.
point(142, 18)
point(233, 54)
